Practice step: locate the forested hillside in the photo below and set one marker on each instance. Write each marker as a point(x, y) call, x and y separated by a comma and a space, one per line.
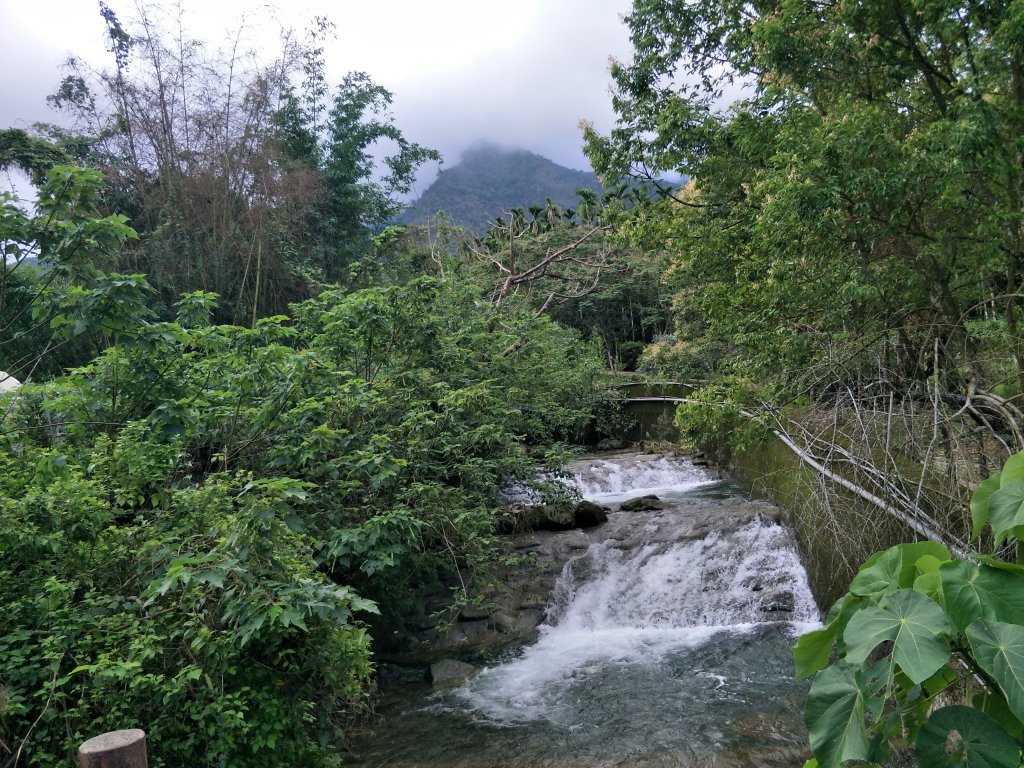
point(489, 180)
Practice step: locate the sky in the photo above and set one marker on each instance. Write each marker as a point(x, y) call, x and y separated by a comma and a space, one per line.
point(521, 74)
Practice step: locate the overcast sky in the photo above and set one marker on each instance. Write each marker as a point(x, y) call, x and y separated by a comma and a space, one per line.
point(520, 73)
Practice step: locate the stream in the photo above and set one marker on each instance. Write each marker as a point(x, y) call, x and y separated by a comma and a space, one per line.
point(665, 643)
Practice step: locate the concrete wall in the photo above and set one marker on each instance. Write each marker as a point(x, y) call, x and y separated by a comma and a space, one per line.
point(835, 529)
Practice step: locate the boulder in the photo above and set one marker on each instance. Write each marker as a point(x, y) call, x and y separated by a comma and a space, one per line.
point(8, 382)
point(642, 504)
point(783, 601)
point(449, 673)
point(587, 514)
point(553, 517)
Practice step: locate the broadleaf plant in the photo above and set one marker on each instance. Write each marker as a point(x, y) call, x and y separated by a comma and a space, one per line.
point(927, 650)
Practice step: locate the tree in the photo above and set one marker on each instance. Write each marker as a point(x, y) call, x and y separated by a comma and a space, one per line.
point(59, 303)
point(852, 236)
point(241, 173)
point(354, 204)
point(201, 526)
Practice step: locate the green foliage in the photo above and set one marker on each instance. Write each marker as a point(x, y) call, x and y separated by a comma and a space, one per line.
point(928, 649)
point(66, 297)
point(200, 524)
point(31, 154)
point(260, 185)
point(856, 208)
point(720, 414)
point(353, 202)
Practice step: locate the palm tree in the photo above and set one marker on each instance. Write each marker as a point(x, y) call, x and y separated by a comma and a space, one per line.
point(552, 212)
point(588, 206)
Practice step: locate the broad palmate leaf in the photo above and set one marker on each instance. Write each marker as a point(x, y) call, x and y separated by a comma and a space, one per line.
point(835, 717)
point(915, 625)
point(963, 736)
point(971, 592)
point(999, 650)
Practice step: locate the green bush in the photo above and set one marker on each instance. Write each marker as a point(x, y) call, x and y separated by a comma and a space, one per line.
point(197, 525)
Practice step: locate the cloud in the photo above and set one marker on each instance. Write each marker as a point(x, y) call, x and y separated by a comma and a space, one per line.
point(519, 74)
point(532, 96)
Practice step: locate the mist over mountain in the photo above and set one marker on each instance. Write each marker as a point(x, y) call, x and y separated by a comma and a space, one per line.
point(489, 180)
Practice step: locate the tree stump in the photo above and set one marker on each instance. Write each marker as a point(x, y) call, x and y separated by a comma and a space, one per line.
point(116, 749)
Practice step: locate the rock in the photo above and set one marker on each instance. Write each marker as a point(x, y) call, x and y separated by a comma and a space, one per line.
point(553, 517)
point(517, 621)
point(473, 613)
point(450, 673)
point(400, 674)
point(778, 602)
point(609, 444)
point(587, 514)
point(642, 504)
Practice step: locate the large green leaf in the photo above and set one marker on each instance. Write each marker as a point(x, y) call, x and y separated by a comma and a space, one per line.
point(915, 625)
point(962, 736)
point(999, 650)
point(980, 501)
point(897, 568)
point(1006, 509)
point(974, 591)
point(1013, 470)
point(834, 714)
point(813, 649)
point(919, 557)
point(879, 576)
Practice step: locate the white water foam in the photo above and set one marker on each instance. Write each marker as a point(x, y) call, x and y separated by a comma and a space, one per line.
point(617, 607)
point(611, 480)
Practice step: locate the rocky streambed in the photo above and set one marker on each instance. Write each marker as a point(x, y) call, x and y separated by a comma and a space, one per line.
point(657, 637)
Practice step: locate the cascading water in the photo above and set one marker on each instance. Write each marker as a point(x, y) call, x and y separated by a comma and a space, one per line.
point(665, 643)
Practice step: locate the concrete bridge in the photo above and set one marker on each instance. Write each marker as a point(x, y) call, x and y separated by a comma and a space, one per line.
point(652, 405)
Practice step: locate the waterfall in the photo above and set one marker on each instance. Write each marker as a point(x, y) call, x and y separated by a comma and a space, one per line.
point(611, 480)
point(665, 643)
point(621, 603)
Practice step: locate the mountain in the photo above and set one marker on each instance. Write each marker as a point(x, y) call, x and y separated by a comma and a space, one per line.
point(490, 180)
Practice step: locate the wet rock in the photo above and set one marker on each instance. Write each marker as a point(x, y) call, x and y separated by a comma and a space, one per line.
point(450, 673)
point(587, 514)
point(401, 674)
point(553, 517)
point(473, 613)
point(778, 602)
point(517, 622)
point(609, 444)
point(642, 504)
